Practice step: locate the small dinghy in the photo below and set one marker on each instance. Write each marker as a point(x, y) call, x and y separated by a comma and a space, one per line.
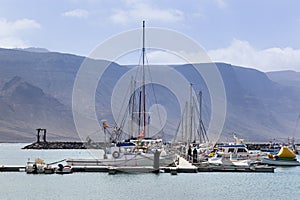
point(67, 169)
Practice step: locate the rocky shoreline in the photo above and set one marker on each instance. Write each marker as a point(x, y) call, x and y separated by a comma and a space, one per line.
point(63, 145)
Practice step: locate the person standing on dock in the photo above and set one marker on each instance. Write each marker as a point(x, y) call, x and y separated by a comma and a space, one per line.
point(189, 157)
point(195, 155)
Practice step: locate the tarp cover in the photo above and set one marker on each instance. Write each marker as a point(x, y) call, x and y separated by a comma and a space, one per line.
point(285, 152)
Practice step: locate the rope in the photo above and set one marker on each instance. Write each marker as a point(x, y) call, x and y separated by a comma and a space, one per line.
point(57, 162)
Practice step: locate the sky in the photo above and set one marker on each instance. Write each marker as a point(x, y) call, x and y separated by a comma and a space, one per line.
point(264, 35)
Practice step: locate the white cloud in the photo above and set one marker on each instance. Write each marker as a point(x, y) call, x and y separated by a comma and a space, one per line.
point(12, 31)
point(8, 28)
point(239, 53)
point(243, 54)
point(79, 13)
point(221, 4)
point(138, 10)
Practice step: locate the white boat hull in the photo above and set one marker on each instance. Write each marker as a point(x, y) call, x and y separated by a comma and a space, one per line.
point(228, 162)
point(280, 162)
point(141, 159)
point(65, 170)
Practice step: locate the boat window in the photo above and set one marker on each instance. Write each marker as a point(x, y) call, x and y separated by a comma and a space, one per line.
point(231, 150)
point(241, 150)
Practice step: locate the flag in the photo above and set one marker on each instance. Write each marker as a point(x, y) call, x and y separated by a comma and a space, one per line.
point(105, 125)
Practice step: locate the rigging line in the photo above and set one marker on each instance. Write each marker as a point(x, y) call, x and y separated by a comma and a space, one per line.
point(128, 107)
point(98, 95)
point(56, 162)
point(124, 118)
point(179, 125)
point(205, 108)
point(122, 106)
point(194, 124)
point(154, 94)
point(205, 133)
point(198, 110)
point(177, 130)
point(201, 124)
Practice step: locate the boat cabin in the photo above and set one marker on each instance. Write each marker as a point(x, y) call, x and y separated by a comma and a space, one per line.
point(238, 151)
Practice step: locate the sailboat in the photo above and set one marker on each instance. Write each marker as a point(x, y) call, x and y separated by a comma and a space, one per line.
point(140, 152)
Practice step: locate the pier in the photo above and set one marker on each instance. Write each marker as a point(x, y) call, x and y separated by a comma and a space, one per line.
point(181, 166)
point(256, 169)
point(12, 168)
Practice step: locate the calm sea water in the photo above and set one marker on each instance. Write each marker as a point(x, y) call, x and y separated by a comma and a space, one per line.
point(283, 184)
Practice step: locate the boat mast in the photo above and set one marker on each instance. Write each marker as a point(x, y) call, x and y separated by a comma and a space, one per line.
point(185, 113)
point(140, 108)
point(191, 114)
point(200, 117)
point(202, 131)
point(143, 83)
point(132, 106)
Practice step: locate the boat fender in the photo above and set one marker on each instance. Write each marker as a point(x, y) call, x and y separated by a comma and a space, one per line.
point(116, 154)
point(270, 156)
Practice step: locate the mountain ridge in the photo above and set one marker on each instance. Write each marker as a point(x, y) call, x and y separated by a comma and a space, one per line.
point(258, 107)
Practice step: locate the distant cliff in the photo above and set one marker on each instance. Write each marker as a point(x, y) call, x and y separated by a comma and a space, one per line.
point(36, 91)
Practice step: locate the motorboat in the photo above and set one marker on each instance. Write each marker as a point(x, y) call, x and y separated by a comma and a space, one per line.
point(285, 157)
point(237, 151)
point(220, 160)
point(233, 154)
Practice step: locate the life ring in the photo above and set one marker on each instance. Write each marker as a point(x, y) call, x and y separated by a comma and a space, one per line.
point(116, 154)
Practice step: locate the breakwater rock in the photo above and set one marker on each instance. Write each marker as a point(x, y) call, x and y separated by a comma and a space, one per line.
point(56, 145)
point(64, 145)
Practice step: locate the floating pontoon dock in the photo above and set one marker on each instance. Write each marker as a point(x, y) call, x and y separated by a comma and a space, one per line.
point(181, 166)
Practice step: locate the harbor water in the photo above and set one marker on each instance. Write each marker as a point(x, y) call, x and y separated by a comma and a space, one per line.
point(283, 184)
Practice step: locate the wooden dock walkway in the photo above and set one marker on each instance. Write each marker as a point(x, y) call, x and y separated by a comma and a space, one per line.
point(184, 166)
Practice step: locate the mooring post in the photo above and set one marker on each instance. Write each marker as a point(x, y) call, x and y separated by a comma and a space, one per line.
point(156, 160)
